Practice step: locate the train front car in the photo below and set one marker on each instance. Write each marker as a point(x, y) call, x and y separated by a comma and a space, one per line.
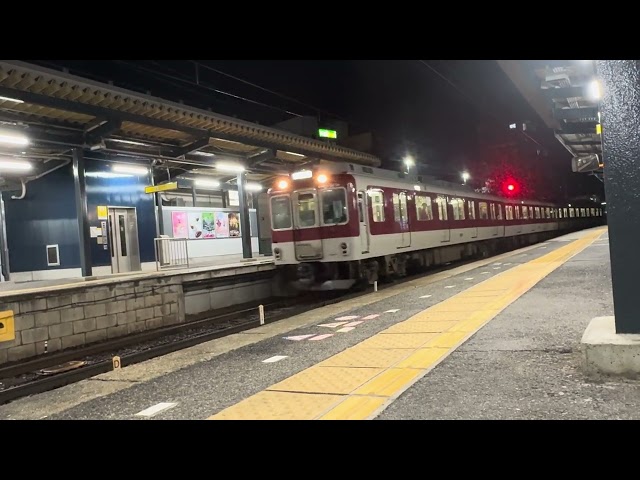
point(315, 228)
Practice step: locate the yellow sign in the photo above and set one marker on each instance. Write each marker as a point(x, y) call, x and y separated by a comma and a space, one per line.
point(598, 128)
point(161, 188)
point(103, 212)
point(7, 328)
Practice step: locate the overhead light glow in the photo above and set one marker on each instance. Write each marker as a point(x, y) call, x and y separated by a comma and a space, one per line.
point(465, 176)
point(132, 169)
point(282, 184)
point(9, 99)
point(322, 178)
point(14, 165)
point(295, 154)
point(253, 187)
point(408, 161)
point(206, 183)
point(594, 90)
point(107, 175)
point(302, 174)
point(12, 138)
point(416, 187)
point(229, 167)
point(513, 126)
point(603, 203)
point(203, 154)
point(128, 142)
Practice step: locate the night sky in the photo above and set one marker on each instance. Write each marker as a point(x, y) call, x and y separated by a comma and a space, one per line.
point(447, 113)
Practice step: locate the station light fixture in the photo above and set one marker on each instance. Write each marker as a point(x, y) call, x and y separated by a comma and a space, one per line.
point(302, 174)
point(203, 154)
point(465, 176)
point(128, 142)
point(253, 187)
point(594, 90)
point(206, 183)
point(13, 138)
point(131, 169)
point(283, 184)
point(229, 167)
point(295, 154)
point(9, 99)
point(322, 178)
point(409, 161)
point(10, 165)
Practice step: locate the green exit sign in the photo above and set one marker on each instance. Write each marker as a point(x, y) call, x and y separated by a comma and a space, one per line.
point(324, 133)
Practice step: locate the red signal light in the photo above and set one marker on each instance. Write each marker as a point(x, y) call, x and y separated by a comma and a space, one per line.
point(511, 187)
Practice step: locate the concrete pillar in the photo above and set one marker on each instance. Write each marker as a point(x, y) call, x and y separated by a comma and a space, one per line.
point(620, 118)
point(245, 222)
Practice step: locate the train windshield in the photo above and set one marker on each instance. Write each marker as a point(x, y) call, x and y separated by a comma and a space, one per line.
point(281, 212)
point(334, 206)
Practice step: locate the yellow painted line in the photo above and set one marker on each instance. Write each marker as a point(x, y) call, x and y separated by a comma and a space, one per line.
point(362, 380)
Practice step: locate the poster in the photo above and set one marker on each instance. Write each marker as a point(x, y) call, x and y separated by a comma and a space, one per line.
point(222, 225)
point(234, 225)
point(208, 225)
point(179, 224)
point(195, 225)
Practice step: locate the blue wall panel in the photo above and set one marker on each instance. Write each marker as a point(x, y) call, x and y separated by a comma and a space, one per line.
point(120, 192)
point(46, 216)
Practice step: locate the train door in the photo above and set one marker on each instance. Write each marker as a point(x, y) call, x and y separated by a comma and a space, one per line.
point(305, 223)
point(401, 215)
point(471, 204)
point(364, 228)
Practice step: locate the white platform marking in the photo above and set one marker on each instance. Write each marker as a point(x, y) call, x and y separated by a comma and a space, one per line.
point(275, 358)
point(469, 278)
point(151, 411)
point(348, 317)
point(449, 286)
point(370, 317)
point(485, 273)
point(508, 263)
point(332, 325)
point(345, 329)
point(497, 268)
point(297, 338)
point(425, 296)
point(321, 337)
point(393, 311)
point(353, 324)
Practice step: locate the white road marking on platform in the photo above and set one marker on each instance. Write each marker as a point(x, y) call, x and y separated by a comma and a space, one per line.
point(543, 247)
point(370, 317)
point(159, 407)
point(498, 263)
point(485, 273)
point(275, 358)
point(345, 329)
point(507, 263)
point(332, 325)
point(469, 278)
point(425, 296)
point(297, 338)
point(497, 268)
point(348, 317)
point(393, 311)
point(353, 324)
point(449, 286)
point(321, 337)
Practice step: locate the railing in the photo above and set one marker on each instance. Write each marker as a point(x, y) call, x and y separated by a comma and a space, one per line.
point(171, 253)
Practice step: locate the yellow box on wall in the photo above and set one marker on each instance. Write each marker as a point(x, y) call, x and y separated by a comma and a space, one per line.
point(7, 326)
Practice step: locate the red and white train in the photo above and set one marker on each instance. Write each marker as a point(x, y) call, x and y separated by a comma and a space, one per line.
point(337, 224)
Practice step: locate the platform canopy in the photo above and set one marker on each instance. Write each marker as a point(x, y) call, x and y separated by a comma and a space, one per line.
point(565, 95)
point(59, 112)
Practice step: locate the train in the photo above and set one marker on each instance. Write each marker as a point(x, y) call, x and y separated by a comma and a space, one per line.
point(337, 225)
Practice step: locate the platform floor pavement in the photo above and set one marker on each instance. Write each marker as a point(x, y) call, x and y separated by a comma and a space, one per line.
point(217, 385)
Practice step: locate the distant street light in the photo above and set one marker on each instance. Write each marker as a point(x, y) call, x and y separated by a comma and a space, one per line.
point(409, 162)
point(465, 176)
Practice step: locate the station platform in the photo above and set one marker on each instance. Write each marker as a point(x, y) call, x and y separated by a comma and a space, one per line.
point(494, 339)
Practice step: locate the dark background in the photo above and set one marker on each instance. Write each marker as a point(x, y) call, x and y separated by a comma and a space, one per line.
point(451, 115)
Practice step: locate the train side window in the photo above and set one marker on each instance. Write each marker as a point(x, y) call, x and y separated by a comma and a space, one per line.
point(377, 204)
point(499, 211)
point(442, 208)
point(334, 206)
point(424, 210)
point(509, 212)
point(483, 211)
point(566, 212)
point(559, 213)
point(472, 209)
point(548, 211)
point(517, 209)
point(458, 208)
point(281, 212)
point(525, 213)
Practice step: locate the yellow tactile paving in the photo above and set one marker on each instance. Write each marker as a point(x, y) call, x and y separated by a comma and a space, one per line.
point(388, 383)
point(398, 340)
point(268, 405)
point(354, 408)
point(333, 380)
point(366, 376)
point(366, 357)
point(421, 327)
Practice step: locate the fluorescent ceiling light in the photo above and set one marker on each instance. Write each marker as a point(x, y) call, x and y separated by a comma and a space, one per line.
point(203, 154)
point(9, 99)
point(594, 90)
point(15, 165)
point(302, 174)
point(254, 187)
point(295, 154)
point(132, 169)
point(107, 175)
point(13, 138)
point(206, 183)
point(128, 142)
point(229, 167)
